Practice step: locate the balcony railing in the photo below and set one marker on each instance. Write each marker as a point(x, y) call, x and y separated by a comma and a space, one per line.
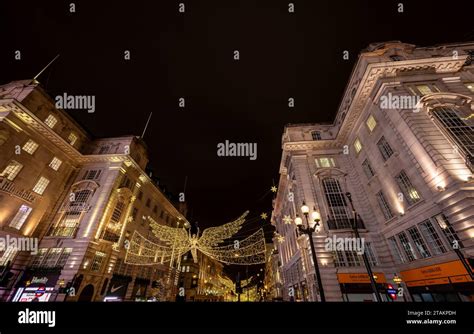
point(344, 223)
point(9, 187)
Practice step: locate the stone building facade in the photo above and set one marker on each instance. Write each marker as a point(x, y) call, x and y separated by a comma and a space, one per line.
point(81, 198)
point(402, 144)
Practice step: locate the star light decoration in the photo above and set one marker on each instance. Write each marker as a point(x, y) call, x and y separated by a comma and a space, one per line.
point(274, 189)
point(175, 242)
point(264, 216)
point(287, 219)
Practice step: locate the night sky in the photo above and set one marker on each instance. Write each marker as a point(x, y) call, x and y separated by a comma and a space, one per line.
point(190, 55)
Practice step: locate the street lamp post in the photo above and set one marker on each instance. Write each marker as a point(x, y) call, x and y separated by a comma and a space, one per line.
point(308, 230)
point(364, 256)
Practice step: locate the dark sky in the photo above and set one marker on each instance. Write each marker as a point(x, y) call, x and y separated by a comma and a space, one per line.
point(190, 55)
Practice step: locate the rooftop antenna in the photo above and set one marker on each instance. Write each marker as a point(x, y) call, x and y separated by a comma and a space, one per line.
point(52, 61)
point(146, 125)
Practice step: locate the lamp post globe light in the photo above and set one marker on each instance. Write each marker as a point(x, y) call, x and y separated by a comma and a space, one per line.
point(309, 229)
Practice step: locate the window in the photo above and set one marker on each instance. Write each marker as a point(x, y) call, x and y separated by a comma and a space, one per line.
point(352, 258)
point(38, 259)
point(396, 252)
point(396, 58)
point(41, 185)
point(52, 258)
point(134, 213)
point(316, 135)
point(64, 257)
point(424, 89)
point(448, 230)
point(7, 256)
point(470, 86)
point(357, 145)
point(148, 202)
point(432, 237)
point(126, 183)
point(409, 252)
point(73, 213)
point(370, 254)
point(30, 146)
point(339, 260)
point(384, 206)
point(20, 217)
point(72, 138)
point(325, 162)
point(456, 129)
point(155, 209)
point(97, 261)
point(140, 195)
point(50, 121)
point(336, 203)
point(385, 149)
point(419, 243)
point(407, 188)
point(92, 174)
point(117, 213)
point(371, 123)
point(104, 149)
point(369, 172)
point(12, 170)
point(55, 163)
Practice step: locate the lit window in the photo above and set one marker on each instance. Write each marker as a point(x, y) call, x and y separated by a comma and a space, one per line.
point(12, 170)
point(325, 162)
point(20, 217)
point(357, 145)
point(50, 121)
point(371, 123)
point(72, 138)
point(41, 185)
point(55, 163)
point(470, 86)
point(407, 188)
point(30, 146)
point(396, 252)
point(424, 89)
point(384, 206)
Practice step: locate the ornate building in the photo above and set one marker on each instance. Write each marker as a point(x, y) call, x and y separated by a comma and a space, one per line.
point(81, 197)
point(402, 144)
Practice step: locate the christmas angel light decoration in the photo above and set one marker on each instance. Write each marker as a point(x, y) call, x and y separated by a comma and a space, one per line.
point(174, 242)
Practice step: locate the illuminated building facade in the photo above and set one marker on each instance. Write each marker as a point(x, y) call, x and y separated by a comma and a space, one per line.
point(82, 198)
point(402, 144)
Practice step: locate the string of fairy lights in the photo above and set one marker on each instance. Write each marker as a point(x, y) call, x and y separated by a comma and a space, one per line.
point(175, 242)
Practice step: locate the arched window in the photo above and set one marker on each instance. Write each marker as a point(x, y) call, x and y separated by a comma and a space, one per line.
point(458, 131)
point(337, 205)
